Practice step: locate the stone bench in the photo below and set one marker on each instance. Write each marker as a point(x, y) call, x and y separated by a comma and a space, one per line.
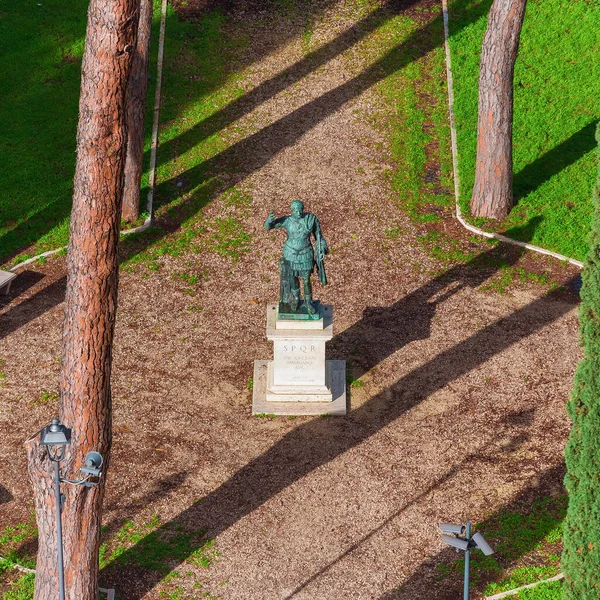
point(6, 278)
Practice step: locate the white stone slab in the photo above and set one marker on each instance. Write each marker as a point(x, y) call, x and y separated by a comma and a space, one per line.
point(337, 406)
point(298, 393)
point(275, 332)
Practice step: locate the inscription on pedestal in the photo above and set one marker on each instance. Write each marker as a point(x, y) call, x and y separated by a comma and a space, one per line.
point(297, 362)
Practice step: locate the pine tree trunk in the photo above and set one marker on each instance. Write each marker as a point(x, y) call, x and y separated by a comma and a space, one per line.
point(492, 192)
point(136, 112)
point(90, 304)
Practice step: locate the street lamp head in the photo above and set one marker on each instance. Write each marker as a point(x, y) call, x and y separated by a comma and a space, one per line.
point(452, 536)
point(55, 434)
point(481, 543)
point(455, 542)
point(450, 528)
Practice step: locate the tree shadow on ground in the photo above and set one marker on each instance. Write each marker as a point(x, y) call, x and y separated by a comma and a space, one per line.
point(319, 441)
point(47, 217)
point(160, 489)
point(293, 16)
point(397, 324)
point(525, 232)
point(5, 495)
point(424, 580)
point(232, 166)
point(32, 308)
point(513, 421)
point(554, 161)
point(24, 281)
point(409, 319)
point(286, 78)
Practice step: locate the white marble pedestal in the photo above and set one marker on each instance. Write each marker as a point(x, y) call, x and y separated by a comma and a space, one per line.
point(299, 381)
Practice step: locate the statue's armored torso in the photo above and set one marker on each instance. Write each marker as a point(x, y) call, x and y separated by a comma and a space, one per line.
point(297, 249)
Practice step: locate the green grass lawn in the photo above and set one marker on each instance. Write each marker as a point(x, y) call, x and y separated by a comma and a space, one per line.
point(557, 103)
point(200, 83)
point(156, 547)
point(40, 74)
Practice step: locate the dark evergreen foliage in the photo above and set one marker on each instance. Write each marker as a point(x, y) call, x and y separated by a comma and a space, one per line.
point(581, 555)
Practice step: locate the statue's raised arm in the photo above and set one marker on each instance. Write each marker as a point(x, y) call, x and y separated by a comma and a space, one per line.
point(273, 223)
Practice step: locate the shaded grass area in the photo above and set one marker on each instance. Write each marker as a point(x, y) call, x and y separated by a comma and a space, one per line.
point(41, 77)
point(40, 74)
point(527, 544)
point(156, 548)
point(18, 545)
point(21, 589)
point(557, 102)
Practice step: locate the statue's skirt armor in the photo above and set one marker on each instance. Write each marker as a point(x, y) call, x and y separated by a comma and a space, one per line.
point(301, 260)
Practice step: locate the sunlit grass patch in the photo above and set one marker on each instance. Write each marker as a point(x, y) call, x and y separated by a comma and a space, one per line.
point(196, 129)
point(155, 546)
point(416, 123)
point(557, 102)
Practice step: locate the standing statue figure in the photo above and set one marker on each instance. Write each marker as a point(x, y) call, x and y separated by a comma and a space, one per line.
point(299, 259)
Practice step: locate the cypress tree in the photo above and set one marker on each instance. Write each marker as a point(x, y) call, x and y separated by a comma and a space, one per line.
point(581, 554)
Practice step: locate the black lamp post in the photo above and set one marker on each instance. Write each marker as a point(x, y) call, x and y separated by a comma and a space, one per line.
point(56, 437)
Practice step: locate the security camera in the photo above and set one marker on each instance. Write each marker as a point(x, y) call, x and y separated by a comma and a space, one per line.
point(450, 528)
point(480, 543)
point(93, 462)
point(455, 542)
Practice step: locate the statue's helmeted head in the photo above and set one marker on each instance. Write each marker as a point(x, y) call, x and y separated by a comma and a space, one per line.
point(297, 207)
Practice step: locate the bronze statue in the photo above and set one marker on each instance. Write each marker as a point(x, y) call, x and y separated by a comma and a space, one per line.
point(298, 260)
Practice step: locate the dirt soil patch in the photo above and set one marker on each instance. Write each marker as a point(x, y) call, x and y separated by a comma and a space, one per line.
point(457, 395)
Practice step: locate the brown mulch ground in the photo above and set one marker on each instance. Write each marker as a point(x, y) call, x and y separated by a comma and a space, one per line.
point(460, 411)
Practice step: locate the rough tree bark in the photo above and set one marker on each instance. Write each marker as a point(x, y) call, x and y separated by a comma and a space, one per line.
point(492, 192)
point(136, 112)
point(90, 304)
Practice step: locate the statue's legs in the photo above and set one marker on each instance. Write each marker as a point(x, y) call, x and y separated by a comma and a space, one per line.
point(295, 294)
point(308, 293)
